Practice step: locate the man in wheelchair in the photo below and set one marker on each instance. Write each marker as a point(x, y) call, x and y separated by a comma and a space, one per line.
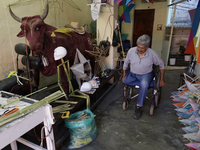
point(141, 60)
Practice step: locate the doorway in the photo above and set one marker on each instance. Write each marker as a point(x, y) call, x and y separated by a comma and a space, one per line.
point(143, 24)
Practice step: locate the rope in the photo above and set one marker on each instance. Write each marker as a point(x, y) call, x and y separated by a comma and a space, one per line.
point(62, 30)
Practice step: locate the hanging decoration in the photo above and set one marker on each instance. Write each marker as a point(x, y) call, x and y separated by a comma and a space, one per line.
point(124, 10)
point(193, 42)
point(127, 2)
point(95, 9)
point(81, 68)
point(119, 1)
point(187, 103)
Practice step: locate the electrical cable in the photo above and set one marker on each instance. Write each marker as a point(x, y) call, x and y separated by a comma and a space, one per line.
point(108, 21)
point(44, 137)
point(27, 64)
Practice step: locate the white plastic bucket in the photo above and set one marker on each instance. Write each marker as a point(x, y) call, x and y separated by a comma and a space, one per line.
point(172, 61)
point(187, 57)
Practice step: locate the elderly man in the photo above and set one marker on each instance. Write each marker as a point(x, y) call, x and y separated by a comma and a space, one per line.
point(141, 60)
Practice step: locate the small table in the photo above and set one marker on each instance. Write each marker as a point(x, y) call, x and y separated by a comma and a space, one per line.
point(12, 131)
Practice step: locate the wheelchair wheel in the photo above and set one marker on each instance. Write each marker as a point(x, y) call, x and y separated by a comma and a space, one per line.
point(125, 105)
point(151, 110)
point(129, 93)
point(157, 97)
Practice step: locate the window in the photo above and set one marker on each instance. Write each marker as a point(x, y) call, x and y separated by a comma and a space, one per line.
point(182, 16)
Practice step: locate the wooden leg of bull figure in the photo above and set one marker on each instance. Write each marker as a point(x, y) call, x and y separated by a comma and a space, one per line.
point(59, 83)
point(71, 90)
point(82, 95)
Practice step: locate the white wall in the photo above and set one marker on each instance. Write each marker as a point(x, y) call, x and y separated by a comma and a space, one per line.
point(106, 23)
point(10, 28)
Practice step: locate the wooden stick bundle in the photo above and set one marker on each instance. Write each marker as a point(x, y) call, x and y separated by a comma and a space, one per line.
point(32, 107)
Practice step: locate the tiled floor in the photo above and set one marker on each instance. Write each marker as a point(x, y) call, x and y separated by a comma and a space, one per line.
point(117, 130)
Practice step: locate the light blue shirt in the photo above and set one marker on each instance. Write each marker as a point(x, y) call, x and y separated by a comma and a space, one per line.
point(144, 64)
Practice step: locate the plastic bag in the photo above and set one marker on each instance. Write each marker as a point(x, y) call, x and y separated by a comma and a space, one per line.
point(82, 131)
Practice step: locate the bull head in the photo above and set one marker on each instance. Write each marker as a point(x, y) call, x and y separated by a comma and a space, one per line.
point(34, 27)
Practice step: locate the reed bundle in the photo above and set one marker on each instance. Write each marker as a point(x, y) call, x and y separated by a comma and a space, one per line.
point(62, 108)
point(32, 107)
point(82, 116)
point(17, 99)
point(82, 95)
point(68, 102)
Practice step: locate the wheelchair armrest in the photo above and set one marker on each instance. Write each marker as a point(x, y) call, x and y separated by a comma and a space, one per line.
point(156, 69)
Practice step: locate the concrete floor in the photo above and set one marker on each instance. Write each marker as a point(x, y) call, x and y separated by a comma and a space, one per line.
point(117, 130)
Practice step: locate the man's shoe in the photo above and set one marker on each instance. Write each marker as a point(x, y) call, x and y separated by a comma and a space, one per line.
point(138, 112)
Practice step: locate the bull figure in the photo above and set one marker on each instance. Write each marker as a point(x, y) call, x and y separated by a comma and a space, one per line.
point(43, 44)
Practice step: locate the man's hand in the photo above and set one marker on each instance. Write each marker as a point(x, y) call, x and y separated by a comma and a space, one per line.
point(123, 76)
point(162, 83)
point(123, 79)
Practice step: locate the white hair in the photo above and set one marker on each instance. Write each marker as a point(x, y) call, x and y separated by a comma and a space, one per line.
point(144, 40)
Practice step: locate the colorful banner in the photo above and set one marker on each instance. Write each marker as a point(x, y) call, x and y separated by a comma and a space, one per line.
point(194, 38)
point(124, 11)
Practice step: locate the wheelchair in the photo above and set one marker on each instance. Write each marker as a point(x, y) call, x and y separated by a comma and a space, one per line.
point(154, 87)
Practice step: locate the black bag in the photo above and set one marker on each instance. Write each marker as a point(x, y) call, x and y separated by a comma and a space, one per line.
point(115, 38)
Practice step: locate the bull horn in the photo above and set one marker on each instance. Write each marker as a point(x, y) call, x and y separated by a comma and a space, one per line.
point(14, 16)
point(45, 13)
